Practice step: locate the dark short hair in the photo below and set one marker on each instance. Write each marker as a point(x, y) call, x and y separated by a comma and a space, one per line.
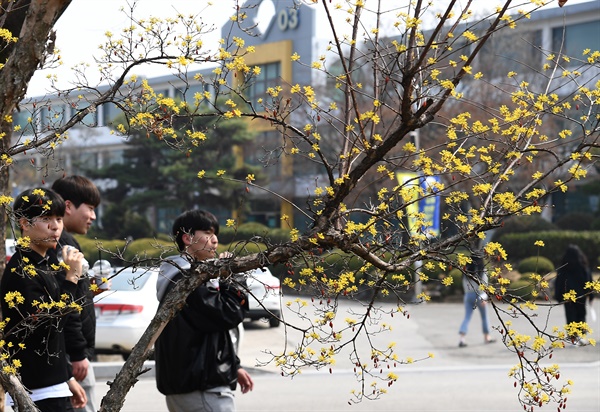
point(38, 202)
point(77, 190)
point(190, 221)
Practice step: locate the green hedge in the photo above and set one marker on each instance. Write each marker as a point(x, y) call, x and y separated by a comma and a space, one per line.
point(523, 224)
point(92, 253)
point(456, 286)
point(521, 288)
point(143, 248)
point(521, 245)
point(537, 264)
point(148, 248)
point(247, 231)
point(334, 262)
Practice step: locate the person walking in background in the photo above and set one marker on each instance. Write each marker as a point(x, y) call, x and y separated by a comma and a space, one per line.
point(475, 298)
point(34, 324)
point(197, 368)
point(81, 198)
point(572, 275)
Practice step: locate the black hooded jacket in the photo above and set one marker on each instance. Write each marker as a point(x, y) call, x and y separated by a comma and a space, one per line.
point(195, 350)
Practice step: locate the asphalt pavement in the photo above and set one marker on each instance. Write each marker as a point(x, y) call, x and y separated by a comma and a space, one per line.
point(449, 378)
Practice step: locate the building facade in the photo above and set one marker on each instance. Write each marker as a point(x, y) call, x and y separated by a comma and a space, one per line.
point(281, 29)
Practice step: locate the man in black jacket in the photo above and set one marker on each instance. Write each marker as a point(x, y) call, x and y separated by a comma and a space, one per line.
point(81, 199)
point(196, 364)
point(31, 291)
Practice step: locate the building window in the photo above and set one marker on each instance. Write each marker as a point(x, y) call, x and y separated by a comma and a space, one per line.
point(511, 52)
point(111, 157)
point(110, 112)
point(193, 95)
point(577, 38)
point(90, 119)
point(270, 76)
point(84, 161)
point(23, 122)
point(52, 116)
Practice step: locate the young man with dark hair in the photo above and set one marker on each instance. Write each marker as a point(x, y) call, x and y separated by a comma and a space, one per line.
point(196, 364)
point(81, 198)
point(35, 319)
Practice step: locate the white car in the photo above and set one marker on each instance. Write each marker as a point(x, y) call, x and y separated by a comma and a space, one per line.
point(264, 296)
point(10, 248)
point(124, 312)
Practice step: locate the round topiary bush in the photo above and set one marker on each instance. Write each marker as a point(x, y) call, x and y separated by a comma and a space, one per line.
point(536, 264)
point(521, 288)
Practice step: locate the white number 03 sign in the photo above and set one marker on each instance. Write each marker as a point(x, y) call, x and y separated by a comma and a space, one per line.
point(287, 19)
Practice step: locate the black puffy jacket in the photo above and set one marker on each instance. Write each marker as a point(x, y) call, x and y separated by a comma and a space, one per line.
point(195, 350)
point(43, 358)
point(80, 330)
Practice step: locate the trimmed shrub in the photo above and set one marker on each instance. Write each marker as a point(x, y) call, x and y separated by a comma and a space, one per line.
point(536, 264)
point(279, 235)
point(456, 275)
point(578, 221)
point(521, 245)
point(523, 224)
point(91, 251)
point(432, 272)
point(245, 231)
point(148, 248)
point(243, 248)
point(521, 288)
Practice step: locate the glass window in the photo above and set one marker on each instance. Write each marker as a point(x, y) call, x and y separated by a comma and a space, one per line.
point(23, 122)
point(130, 279)
point(162, 92)
point(111, 157)
point(110, 112)
point(52, 116)
point(577, 37)
point(90, 119)
point(85, 161)
point(269, 77)
point(193, 96)
point(500, 56)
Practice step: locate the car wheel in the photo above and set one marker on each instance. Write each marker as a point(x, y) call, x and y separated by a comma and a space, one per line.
point(274, 322)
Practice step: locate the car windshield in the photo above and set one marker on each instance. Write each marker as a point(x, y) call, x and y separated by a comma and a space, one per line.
point(130, 280)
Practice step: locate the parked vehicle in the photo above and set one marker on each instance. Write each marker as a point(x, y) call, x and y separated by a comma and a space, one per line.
point(10, 249)
point(264, 296)
point(124, 312)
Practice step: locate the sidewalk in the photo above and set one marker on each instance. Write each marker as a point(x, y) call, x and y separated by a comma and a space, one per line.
point(431, 328)
point(455, 379)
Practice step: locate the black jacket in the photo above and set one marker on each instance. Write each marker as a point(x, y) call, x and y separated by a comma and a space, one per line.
point(195, 351)
point(571, 278)
point(80, 330)
point(43, 358)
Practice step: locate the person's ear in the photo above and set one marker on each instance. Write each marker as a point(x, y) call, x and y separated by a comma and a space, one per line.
point(187, 239)
point(23, 223)
point(70, 207)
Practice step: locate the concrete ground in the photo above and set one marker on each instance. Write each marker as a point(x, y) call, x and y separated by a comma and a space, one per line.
point(474, 378)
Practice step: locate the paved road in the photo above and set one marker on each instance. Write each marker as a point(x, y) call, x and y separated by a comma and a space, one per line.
point(466, 379)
